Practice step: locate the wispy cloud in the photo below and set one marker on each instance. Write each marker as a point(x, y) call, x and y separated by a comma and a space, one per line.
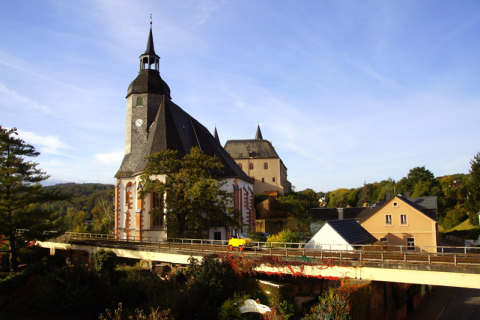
point(7, 96)
point(110, 158)
point(46, 144)
point(207, 7)
point(41, 76)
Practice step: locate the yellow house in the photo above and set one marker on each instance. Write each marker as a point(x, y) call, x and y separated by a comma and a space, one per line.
point(403, 221)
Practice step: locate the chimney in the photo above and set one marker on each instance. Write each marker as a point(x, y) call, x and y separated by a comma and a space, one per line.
point(407, 194)
point(340, 213)
point(388, 195)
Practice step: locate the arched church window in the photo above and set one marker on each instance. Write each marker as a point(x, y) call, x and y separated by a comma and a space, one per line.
point(128, 196)
point(157, 209)
point(139, 101)
point(265, 166)
point(250, 166)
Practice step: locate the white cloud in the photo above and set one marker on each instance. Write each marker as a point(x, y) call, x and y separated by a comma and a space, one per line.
point(46, 144)
point(110, 158)
point(7, 97)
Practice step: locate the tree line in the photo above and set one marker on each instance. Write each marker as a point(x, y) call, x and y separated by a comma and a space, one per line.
point(458, 195)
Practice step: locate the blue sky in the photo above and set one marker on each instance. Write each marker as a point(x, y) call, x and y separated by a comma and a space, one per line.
point(347, 91)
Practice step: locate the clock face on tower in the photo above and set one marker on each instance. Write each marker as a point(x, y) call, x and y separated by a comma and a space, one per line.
point(138, 122)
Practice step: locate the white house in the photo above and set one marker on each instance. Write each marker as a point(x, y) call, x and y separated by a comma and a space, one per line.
point(340, 235)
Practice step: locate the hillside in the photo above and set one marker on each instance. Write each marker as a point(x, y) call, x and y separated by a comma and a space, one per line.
point(89, 210)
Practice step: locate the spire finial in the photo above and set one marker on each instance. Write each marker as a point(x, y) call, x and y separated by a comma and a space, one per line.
point(150, 21)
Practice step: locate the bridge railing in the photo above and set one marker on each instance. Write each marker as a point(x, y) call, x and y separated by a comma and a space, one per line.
point(307, 247)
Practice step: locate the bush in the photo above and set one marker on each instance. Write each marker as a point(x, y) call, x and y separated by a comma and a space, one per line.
point(287, 309)
point(104, 261)
point(17, 280)
point(455, 216)
point(346, 302)
point(285, 235)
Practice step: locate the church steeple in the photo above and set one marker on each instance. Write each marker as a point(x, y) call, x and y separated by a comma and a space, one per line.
point(150, 60)
point(148, 79)
point(258, 136)
point(215, 135)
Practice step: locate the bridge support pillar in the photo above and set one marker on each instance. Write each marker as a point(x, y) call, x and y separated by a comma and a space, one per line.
point(52, 251)
point(382, 304)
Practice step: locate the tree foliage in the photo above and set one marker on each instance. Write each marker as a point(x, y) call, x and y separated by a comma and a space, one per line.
point(21, 194)
point(104, 261)
point(194, 197)
point(473, 200)
point(339, 198)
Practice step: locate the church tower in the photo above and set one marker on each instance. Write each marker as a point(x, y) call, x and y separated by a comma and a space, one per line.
point(154, 124)
point(144, 97)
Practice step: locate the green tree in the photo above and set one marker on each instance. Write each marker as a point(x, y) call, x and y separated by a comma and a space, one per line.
point(365, 195)
point(104, 261)
point(103, 216)
point(339, 198)
point(473, 189)
point(194, 196)
point(416, 175)
point(21, 194)
point(210, 283)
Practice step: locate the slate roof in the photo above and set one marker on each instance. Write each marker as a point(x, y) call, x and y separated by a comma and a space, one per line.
point(328, 214)
point(352, 231)
point(215, 135)
point(174, 129)
point(258, 135)
point(150, 47)
point(240, 149)
point(149, 81)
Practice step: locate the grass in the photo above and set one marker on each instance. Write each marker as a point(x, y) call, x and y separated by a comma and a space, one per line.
point(465, 225)
point(464, 230)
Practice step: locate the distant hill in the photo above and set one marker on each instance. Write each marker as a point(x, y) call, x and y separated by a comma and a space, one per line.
point(84, 197)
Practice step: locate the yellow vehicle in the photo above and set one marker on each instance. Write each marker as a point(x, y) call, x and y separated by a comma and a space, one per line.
point(241, 241)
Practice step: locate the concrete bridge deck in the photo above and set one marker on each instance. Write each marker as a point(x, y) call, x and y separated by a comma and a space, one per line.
point(445, 269)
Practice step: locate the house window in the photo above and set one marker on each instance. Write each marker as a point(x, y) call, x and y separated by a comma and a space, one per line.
point(240, 165)
point(395, 204)
point(383, 240)
point(273, 179)
point(265, 166)
point(388, 220)
point(217, 236)
point(139, 101)
point(410, 243)
point(263, 179)
point(403, 219)
point(250, 165)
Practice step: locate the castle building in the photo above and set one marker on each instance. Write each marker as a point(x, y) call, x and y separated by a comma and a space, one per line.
point(259, 160)
point(154, 123)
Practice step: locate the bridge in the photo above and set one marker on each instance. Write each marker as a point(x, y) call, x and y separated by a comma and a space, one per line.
point(449, 266)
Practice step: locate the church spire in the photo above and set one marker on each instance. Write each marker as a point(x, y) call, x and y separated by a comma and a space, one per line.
point(258, 136)
point(149, 60)
point(215, 135)
point(150, 48)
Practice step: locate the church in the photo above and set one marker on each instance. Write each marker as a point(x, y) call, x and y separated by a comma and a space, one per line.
point(155, 123)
